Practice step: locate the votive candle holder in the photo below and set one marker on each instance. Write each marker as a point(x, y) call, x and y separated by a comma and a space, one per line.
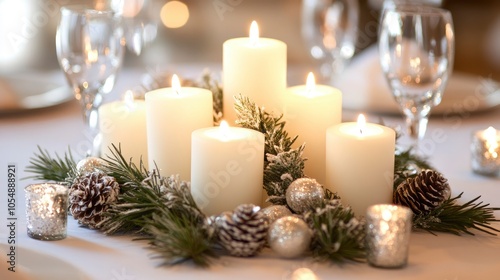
point(388, 229)
point(485, 152)
point(46, 211)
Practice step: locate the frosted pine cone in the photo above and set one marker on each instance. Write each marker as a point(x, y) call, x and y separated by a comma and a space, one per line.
point(424, 192)
point(90, 196)
point(243, 232)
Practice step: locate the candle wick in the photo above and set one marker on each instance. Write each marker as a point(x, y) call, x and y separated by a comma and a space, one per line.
point(361, 131)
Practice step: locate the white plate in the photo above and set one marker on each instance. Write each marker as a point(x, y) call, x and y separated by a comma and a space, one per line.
point(33, 265)
point(364, 88)
point(18, 94)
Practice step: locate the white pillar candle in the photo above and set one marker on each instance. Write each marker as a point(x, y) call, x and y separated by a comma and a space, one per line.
point(309, 110)
point(123, 123)
point(360, 163)
point(227, 168)
point(254, 67)
point(172, 114)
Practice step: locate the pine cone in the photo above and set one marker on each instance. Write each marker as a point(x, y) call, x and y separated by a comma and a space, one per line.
point(90, 196)
point(243, 232)
point(424, 192)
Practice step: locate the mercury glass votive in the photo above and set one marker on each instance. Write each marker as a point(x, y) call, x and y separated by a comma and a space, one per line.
point(485, 150)
point(388, 229)
point(46, 211)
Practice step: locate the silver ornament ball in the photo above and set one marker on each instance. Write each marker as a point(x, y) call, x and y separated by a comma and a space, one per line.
point(289, 237)
point(274, 212)
point(90, 164)
point(304, 194)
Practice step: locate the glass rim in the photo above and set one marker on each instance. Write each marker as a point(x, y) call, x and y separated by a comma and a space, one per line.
point(87, 10)
point(418, 9)
point(58, 188)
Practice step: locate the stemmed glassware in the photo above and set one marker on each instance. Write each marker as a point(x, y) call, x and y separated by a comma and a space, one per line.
point(90, 48)
point(329, 28)
point(416, 47)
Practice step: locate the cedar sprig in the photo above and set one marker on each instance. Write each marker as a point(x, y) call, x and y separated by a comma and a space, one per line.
point(48, 168)
point(338, 235)
point(455, 218)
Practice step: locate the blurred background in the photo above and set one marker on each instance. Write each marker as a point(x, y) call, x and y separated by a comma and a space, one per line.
point(193, 31)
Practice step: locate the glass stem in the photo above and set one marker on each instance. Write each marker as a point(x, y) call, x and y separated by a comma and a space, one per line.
point(416, 130)
point(90, 102)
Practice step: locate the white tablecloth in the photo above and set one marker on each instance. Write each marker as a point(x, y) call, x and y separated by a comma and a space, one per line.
point(87, 254)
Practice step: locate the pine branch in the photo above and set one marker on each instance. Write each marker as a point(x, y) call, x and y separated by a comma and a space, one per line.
point(337, 235)
point(254, 117)
point(282, 169)
point(455, 218)
point(46, 168)
point(179, 237)
point(124, 171)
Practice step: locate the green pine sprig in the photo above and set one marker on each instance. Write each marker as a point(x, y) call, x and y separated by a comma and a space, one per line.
point(177, 237)
point(251, 116)
point(453, 217)
point(282, 163)
point(338, 236)
point(48, 168)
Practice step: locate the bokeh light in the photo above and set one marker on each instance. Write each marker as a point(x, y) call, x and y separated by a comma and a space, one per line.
point(174, 14)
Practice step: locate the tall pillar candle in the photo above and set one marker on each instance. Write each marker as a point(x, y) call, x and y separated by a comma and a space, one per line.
point(256, 68)
point(123, 123)
point(309, 110)
point(172, 114)
point(360, 163)
point(227, 168)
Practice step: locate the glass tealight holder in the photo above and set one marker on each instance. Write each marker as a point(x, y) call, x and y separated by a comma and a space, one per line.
point(46, 211)
point(485, 152)
point(388, 229)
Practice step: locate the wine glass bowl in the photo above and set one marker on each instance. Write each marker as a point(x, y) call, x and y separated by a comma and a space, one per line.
point(329, 28)
point(416, 47)
point(90, 47)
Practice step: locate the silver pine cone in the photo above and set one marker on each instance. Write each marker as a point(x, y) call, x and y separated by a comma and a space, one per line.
point(424, 192)
point(243, 232)
point(90, 196)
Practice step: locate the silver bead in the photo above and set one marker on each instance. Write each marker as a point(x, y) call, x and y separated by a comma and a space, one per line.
point(90, 164)
point(304, 194)
point(289, 237)
point(274, 212)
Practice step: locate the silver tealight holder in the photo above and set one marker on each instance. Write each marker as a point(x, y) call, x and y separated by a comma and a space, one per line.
point(388, 229)
point(485, 152)
point(46, 211)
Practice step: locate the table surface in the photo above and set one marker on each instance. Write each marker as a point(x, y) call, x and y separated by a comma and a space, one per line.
point(87, 254)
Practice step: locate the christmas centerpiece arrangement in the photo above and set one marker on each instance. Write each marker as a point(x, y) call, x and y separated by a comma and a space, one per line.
point(114, 195)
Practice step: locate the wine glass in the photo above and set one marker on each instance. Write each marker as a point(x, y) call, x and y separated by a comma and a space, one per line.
point(90, 49)
point(329, 27)
point(416, 46)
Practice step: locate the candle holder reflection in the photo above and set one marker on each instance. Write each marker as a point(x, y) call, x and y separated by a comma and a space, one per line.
point(387, 235)
point(46, 211)
point(485, 149)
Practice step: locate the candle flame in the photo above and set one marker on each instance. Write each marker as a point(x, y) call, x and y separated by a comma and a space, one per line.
point(224, 128)
point(254, 33)
point(176, 84)
point(361, 123)
point(490, 135)
point(128, 98)
point(310, 83)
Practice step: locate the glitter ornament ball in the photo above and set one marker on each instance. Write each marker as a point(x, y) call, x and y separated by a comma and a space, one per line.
point(289, 237)
point(304, 194)
point(274, 212)
point(89, 165)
